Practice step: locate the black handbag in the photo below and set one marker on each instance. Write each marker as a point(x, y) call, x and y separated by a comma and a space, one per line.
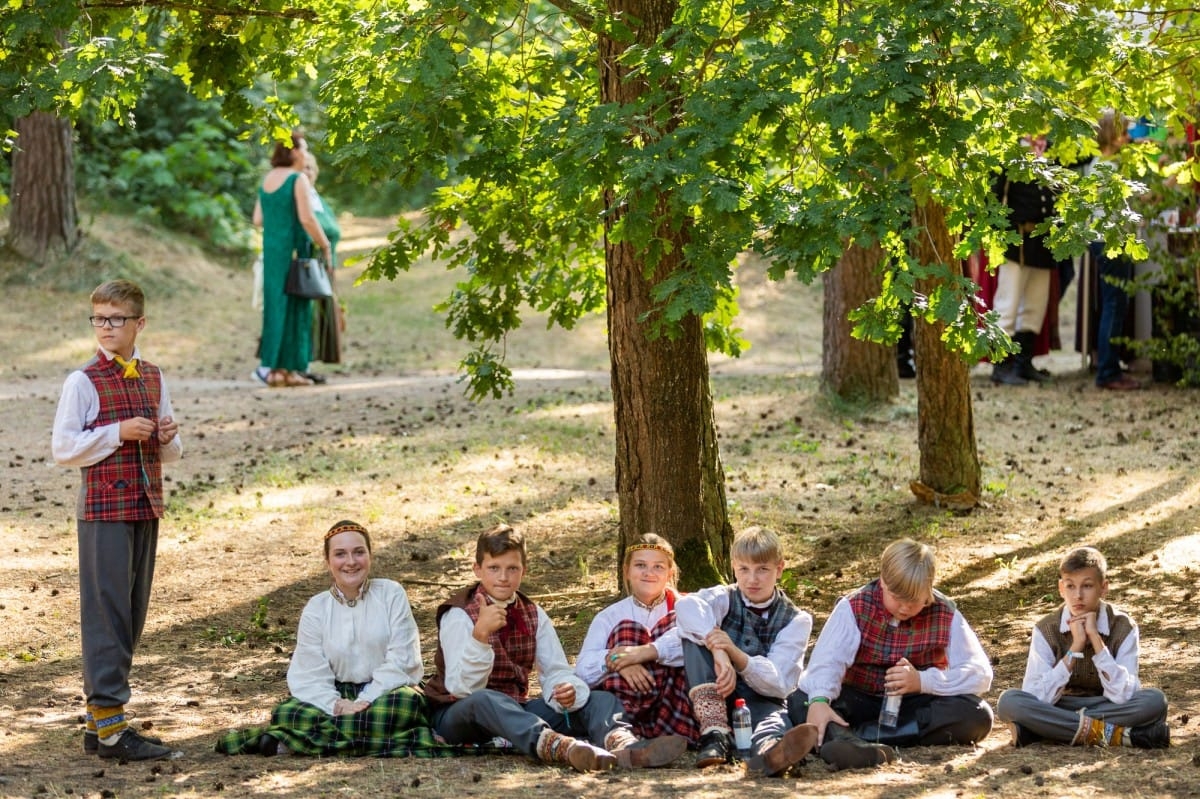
point(307, 277)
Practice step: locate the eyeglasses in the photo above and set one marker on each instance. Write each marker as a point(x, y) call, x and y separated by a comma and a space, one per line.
point(111, 321)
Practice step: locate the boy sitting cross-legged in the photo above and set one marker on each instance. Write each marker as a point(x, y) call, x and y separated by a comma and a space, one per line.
point(490, 639)
point(1081, 682)
point(895, 635)
point(746, 641)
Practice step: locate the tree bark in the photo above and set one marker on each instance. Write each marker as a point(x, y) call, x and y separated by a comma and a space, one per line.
point(851, 368)
point(945, 419)
point(668, 468)
point(44, 221)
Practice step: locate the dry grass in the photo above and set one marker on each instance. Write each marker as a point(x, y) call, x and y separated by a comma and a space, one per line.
point(391, 441)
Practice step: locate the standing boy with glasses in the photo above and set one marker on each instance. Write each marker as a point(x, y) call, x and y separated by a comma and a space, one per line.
point(115, 422)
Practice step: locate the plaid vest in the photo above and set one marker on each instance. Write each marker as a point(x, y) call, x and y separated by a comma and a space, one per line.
point(746, 627)
point(127, 485)
point(515, 647)
point(923, 639)
point(1085, 680)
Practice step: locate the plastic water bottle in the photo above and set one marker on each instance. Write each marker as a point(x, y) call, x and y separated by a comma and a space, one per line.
point(889, 713)
point(742, 729)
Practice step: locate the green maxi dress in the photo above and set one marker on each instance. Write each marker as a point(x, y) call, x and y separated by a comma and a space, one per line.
point(287, 320)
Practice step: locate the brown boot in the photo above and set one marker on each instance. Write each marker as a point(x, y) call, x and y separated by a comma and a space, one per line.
point(784, 753)
point(584, 757)
point(554, 747)
point(649, 752)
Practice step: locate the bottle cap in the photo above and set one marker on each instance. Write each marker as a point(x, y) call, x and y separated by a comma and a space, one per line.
point(739, 703)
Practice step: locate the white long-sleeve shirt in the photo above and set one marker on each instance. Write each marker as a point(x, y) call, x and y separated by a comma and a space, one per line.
point(775, 674)
point(969, 671)
point(1046, 676)
point(589, 666)
point(469, 662)
point(375, 642)
point(72, 444)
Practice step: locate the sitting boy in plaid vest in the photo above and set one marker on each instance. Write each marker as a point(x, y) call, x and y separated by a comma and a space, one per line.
point(490, 639)
point(1081, 682)
point(746, 641)
point(115, 422)
point(894, 636)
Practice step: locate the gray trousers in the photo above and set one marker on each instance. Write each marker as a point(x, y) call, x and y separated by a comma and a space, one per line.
point(116, 569)
point(483, 715)
point(698, 663)
point(1060, 721)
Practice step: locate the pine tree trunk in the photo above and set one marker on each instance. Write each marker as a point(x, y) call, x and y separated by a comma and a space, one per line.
point(668, 468)
point(852, 368)
point(945, 419)
point(43, 222)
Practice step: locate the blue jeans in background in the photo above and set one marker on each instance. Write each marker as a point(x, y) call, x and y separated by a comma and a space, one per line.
point(1113, 304)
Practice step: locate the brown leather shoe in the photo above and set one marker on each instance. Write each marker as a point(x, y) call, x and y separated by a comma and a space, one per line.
point(789, 750)
point(1122, 383)
point(583, 756)
point(652, 752)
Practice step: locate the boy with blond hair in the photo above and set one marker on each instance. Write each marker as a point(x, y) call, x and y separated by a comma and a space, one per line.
point(745, 641)
point(895, 635)
point(115, 422)
point(1081, 682)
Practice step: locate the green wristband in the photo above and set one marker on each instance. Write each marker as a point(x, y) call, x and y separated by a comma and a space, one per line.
point(817, 700)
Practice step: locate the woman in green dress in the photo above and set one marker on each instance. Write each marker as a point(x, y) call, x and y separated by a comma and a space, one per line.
point(284, 211)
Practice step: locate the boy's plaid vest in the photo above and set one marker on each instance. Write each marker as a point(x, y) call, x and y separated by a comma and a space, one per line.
point(127, 485)
point(515, 646)
point(923, 639)
point(1085, 680)
point(746, 627)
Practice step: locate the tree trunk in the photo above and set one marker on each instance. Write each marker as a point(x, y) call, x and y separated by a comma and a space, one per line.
point(668, 468)
point(945, 420)
point(852, 368)
point(43, 222)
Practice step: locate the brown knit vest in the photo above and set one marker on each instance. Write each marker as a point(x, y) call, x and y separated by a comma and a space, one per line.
point(1085, 680)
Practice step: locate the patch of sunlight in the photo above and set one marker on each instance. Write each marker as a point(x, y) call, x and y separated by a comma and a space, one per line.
point(278, 498)
point(1111, 490)
point(584, 410)
point(1175, 556)
point(76, 350)
point(1132, 519)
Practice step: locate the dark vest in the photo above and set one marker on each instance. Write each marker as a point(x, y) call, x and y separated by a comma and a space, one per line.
point(515, 646)
point(746, 627)
point(127, 485)
point(923, 639)
point(1085, 680)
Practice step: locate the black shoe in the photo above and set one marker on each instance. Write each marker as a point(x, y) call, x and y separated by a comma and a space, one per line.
point(1021, 736)
point(1007, 373)
point(268, 745)
point(316, 378)
point(842, 750)
point(131, 746)
point(715, 748)
point(91, 741)
point(1151, 736)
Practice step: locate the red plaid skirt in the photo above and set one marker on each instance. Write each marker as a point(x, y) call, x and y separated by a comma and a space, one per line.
point(663, 710)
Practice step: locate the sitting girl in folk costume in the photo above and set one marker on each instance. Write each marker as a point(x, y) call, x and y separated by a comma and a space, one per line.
point(632, 648)
point(354, 675)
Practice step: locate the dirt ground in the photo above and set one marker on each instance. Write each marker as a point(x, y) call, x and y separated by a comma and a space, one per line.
point(391, 441)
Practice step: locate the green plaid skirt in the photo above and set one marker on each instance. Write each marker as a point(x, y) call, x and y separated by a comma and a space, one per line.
point(395, 725)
